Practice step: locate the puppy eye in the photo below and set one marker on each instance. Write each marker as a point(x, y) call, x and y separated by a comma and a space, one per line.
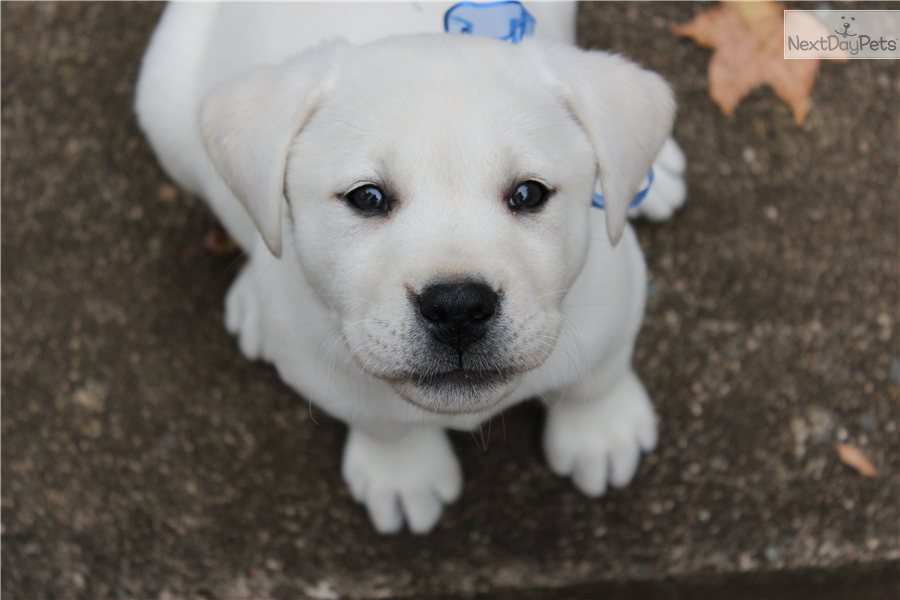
point(368, 199)
point(528, 196)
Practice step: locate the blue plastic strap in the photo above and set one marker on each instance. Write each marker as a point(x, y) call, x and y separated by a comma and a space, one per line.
point(507, 20)
point(597, 200)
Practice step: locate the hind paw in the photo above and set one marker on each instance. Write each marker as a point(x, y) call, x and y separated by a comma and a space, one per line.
point(668, 191)
point(242, 315)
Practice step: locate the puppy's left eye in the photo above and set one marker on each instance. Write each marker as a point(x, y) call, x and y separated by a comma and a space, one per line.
point(528, 196)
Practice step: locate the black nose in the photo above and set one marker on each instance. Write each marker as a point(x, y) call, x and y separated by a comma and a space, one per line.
point(458, 314)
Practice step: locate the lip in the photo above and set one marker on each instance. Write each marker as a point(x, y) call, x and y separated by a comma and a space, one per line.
point(459, 377)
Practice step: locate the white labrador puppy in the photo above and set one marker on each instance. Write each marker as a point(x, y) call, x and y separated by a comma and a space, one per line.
point(416, 208)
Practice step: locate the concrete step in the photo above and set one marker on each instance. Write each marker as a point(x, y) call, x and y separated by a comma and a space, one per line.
point(143, 457)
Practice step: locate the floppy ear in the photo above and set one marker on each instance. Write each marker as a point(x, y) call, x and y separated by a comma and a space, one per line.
point(627, 113)
point(249, 122)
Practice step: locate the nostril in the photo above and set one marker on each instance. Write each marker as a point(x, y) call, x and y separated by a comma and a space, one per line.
point(484, 309)
point(432, 310)
point(432, 305)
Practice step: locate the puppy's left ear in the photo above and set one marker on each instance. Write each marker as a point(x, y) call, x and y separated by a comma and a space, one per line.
point(248, 125)
point(626, 111)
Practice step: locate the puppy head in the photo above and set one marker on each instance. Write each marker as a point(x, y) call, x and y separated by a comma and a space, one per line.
point(436, 189)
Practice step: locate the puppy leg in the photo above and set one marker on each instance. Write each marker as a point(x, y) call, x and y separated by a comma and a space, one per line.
point(668, 190)
point(401, 473)
point(596, 436)
point(242, 314)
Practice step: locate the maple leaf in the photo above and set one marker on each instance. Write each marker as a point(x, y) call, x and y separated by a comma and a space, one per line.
point(748, 41)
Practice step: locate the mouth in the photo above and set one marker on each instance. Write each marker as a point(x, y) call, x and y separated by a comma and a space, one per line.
point(456, 391)
point(459, 377)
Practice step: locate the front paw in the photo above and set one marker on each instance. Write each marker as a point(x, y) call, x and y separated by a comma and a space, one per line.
point(408, 476)
point(242, 314)
point(600, 440)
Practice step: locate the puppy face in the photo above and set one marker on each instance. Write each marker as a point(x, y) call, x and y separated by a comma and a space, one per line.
point(437, 195)
point(440, 206)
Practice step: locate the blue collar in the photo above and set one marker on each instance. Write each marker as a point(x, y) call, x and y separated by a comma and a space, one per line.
point(597, 200)
point(508, 21)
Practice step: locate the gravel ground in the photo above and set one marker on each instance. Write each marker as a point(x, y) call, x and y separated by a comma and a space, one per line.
point(143, 457)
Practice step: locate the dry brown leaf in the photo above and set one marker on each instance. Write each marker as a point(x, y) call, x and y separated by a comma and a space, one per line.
point(748, 41)
point(853, 456)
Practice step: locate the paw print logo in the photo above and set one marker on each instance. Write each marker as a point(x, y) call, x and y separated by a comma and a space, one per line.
point(845, 32)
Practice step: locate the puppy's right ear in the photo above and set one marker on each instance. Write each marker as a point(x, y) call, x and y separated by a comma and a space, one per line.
point(249, 122)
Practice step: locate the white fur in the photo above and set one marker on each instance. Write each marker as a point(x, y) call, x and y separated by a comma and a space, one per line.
point(261, 110)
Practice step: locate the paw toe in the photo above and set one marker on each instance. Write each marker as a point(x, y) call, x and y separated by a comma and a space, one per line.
point(590, 475)
point(233, 313)
point(448, 485)
point(249, 338)
point(645, 431)
point(356, 481)
point(422, 509)
point(560, 458)
point(242, 317)
point(623, 458)
point(384, 510)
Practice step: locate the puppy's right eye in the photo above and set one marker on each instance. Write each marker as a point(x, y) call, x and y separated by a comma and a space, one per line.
point(368, 199)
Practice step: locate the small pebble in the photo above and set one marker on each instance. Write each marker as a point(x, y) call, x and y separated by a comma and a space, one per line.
point(273, 564)
point(78, 581)
point(749, 155)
